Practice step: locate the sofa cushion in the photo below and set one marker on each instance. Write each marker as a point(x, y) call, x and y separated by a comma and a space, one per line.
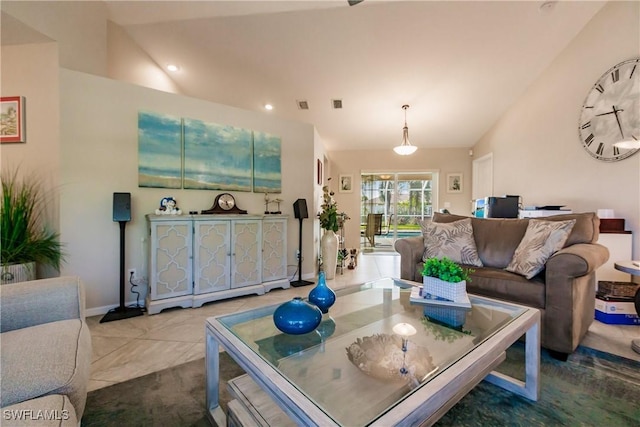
point(46, 359)
point(492, 252)
point(501, 284)
point(585, 230)
point(541, 240)
point(47, 411)
point(454, 241)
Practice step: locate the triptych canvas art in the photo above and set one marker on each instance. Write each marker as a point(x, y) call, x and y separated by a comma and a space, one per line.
point(187, 153)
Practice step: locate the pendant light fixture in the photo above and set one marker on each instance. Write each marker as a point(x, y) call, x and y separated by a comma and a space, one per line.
point(405, 148)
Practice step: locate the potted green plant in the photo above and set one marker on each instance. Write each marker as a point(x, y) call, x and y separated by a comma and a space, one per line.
point(445, 278)
point(25, 237)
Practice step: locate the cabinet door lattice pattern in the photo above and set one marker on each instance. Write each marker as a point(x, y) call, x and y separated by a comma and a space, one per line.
point(274, 252)
point(246, 253)
point(172, 259)
point(212, 246)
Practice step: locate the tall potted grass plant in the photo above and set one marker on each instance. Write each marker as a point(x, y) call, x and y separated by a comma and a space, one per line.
point(25, 237)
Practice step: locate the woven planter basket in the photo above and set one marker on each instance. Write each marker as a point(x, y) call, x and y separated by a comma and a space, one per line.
point(442, 289)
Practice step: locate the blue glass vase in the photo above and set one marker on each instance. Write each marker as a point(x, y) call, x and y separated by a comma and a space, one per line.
point(322, 295)
point(297, 317)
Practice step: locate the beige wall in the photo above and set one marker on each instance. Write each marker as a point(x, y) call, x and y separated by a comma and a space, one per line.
point(536, 149)
point(100, 156)
point(441, 161)
point(127, 62)
point(79, 27)
point(31, 70)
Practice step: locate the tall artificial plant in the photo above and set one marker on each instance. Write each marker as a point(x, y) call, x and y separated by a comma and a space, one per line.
point(24, 234)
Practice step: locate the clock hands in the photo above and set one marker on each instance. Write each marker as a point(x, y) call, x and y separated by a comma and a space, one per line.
point(614, 111)
point(618, 120)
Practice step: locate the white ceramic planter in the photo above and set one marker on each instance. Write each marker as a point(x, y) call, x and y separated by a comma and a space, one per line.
point(329, 251)
point(442, 289)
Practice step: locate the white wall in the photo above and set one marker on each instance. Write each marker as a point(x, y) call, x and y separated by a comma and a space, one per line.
point(439, 160)
point(536, 148)
point(99, 130)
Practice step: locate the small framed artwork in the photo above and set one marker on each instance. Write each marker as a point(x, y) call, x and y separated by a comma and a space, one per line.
point(346, 183)
point(454, 183)
point(319, 181)
point(12, 119)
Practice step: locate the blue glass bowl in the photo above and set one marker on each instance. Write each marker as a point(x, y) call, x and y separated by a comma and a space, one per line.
point(297, 317)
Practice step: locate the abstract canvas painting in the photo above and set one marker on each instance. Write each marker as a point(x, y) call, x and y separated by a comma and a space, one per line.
point(267, 172)
point(216, 157)
point(159, 150)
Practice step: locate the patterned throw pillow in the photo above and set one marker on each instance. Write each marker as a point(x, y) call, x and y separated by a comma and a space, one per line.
point(453, 240)
point(541, 240)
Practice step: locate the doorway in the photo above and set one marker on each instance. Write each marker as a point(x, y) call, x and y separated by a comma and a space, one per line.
point(392, 206)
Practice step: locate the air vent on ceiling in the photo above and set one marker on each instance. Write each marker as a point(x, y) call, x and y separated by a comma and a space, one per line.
point(303, 105)
point(337, 103)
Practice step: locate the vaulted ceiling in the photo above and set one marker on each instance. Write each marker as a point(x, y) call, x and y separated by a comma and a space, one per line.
point(458, 64)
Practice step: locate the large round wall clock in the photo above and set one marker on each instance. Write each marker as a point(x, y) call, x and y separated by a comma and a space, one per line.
point(611, 112)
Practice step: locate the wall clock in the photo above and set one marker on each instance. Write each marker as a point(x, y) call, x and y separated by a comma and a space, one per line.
point(611, 112)
point(224, 203)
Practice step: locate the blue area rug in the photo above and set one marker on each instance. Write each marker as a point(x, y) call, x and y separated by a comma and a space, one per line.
point(591, 389)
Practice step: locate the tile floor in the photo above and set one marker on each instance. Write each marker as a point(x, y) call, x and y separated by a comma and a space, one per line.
point(130, 348)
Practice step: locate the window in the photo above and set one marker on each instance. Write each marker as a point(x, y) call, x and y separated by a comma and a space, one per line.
point(404, 199)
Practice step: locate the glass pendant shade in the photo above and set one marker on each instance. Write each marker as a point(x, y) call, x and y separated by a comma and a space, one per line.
point(405, 148)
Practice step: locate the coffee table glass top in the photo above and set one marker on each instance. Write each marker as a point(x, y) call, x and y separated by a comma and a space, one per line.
point(353, 366)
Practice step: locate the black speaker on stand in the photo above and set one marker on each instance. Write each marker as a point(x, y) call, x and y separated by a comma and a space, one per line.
point(300, 212)
point(122, 215)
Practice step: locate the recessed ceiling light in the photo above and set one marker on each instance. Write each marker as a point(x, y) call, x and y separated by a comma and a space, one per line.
point(268, 107)
point(173, 68)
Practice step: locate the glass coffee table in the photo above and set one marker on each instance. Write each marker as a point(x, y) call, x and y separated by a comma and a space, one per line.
point(354, 370)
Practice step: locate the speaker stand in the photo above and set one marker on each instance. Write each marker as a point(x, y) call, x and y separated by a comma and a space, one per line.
point(122, 312)
point(300, 282)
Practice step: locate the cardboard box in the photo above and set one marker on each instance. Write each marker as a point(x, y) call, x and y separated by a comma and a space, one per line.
point(616, 311)
point(617, 319)
point(615, 306)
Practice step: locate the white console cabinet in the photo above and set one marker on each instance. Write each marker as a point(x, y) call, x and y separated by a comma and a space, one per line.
point(195, 259)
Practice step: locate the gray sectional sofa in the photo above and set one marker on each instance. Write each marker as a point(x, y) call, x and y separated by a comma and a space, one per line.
point(564, 291)
point(46, 352)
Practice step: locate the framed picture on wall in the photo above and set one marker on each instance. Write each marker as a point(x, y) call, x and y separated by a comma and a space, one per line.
point(346, 183)
point(454, 182)
point(12, 119)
